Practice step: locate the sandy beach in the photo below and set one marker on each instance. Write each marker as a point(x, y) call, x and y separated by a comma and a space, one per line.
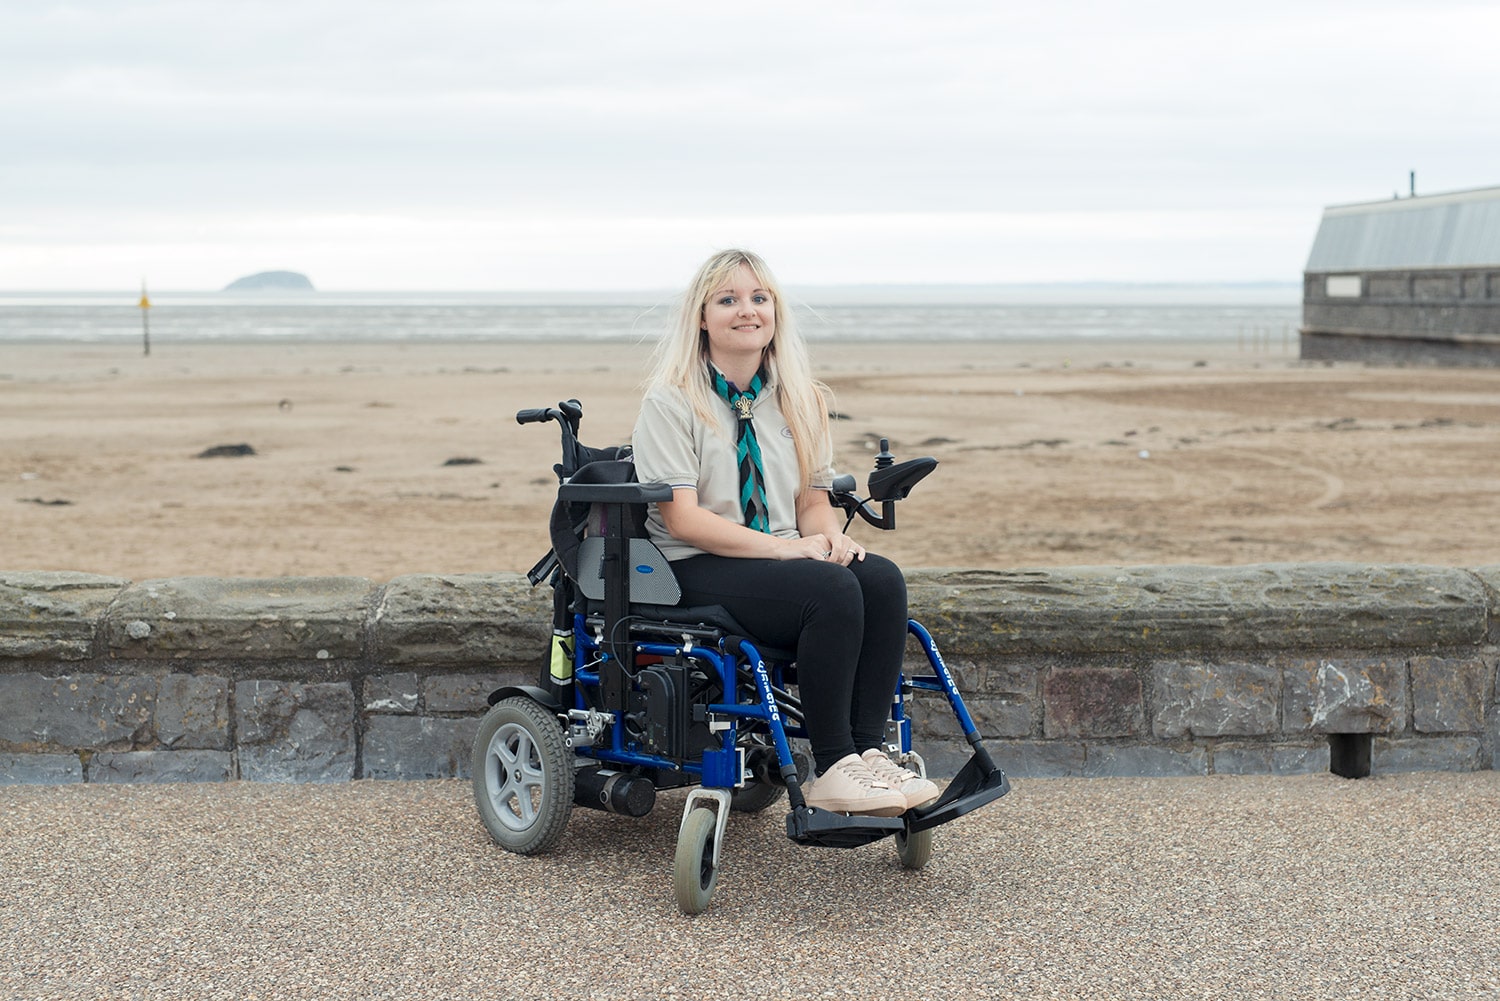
point(1076, 453)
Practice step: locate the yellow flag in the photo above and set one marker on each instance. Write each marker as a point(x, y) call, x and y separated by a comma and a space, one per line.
point(145, 303)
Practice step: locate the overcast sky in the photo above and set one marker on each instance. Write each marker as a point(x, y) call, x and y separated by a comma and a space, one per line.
point(574, 144)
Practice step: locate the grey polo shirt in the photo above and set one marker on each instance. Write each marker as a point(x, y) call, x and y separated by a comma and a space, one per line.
point(672, 445)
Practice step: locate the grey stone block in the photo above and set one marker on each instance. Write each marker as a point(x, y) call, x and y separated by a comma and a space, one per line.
point(53, 615)
point(494, 621)
point(1276, 606)
point(1433, 754)
point(1022, 682)
point(1145, 760)
point(159, 766)
point(81, 711)
point(998, 716)
point(967, 674)
point(1448, 695)
point(1270, 759)
point(1215, 700)
point(943, 758)
point(292, 732)
point(192, 711)
point(1036, 759)
point(932, 720)
point(40, 769)
point(1489, 578)
point(1290, 759)
point(280, 618)
point(392, 693)
point(1008, 700)
point(1092, 702)
point(462, 693)
point(418, 747)
point(1345, 695)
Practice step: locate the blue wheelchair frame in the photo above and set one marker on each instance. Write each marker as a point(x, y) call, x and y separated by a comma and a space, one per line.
point(725, 768)
point(630, 706)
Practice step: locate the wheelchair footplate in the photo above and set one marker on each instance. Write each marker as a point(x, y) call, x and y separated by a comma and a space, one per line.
point(809, 825)
point(975, 785)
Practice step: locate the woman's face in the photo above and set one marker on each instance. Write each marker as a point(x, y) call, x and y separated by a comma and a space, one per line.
point(739, 316)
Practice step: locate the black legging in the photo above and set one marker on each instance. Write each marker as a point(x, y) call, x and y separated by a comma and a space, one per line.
point(847, 625)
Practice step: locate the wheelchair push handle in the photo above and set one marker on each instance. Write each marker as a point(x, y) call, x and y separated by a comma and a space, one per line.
point(568, 412)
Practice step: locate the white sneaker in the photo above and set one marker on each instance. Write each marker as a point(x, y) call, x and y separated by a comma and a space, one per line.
point(849, 787)
point(917, 790)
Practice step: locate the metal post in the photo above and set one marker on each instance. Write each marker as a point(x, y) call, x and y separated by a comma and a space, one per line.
point(145, 319)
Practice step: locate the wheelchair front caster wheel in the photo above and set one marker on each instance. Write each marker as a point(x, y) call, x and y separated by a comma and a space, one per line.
point(693, 871)
point(914, 848)
point(523, 776)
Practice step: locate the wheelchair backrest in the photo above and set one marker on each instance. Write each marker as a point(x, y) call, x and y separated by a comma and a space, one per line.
point(577, 532)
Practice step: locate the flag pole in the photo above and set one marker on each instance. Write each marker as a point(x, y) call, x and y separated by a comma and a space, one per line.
point(145, 318)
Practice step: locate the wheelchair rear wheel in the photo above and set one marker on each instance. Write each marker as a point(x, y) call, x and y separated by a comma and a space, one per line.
point(523, 776)
point(755, 796)
point(766, 788)
point(693, 871)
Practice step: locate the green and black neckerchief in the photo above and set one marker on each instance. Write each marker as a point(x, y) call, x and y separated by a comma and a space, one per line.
point(747, 448)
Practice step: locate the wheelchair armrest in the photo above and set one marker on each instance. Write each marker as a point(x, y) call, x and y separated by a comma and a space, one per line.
point(615, 493)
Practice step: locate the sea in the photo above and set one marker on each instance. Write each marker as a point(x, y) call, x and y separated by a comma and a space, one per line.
point(832, 313)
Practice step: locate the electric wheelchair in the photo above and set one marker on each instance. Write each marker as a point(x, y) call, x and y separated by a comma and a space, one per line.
point(641, 694)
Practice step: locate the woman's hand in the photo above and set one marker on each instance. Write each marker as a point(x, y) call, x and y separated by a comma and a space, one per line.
point(818, 522)
point(835, 547)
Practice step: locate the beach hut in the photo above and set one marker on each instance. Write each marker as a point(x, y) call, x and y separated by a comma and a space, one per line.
point(1410, 280)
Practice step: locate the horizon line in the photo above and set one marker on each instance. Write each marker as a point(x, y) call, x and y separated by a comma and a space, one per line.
point(135, 289)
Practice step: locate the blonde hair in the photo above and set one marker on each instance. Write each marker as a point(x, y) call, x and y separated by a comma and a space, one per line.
point(681, 358)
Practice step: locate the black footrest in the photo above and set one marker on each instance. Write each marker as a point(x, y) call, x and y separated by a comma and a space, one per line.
point(971, 788)
point(811, 826)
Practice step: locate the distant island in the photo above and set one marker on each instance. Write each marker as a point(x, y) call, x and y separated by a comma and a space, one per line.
point(275, 281)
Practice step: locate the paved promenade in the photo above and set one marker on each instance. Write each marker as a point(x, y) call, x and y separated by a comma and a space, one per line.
point(1220, 887)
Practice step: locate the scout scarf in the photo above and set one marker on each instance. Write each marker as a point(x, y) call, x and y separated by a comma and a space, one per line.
point(747, 449)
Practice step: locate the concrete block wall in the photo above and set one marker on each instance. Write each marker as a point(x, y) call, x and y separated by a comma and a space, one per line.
point(1416, 317)
point(1079, 671)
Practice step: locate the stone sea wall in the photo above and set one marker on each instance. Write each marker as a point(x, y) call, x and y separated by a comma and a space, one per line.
point(1092, 671)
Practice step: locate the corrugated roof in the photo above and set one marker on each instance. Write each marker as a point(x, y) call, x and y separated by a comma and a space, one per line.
point(1458, 230)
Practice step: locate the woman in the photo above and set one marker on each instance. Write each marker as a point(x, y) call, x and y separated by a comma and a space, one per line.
point(735, 422)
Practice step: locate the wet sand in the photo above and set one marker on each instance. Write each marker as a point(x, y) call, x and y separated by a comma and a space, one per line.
point(1077, 453)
